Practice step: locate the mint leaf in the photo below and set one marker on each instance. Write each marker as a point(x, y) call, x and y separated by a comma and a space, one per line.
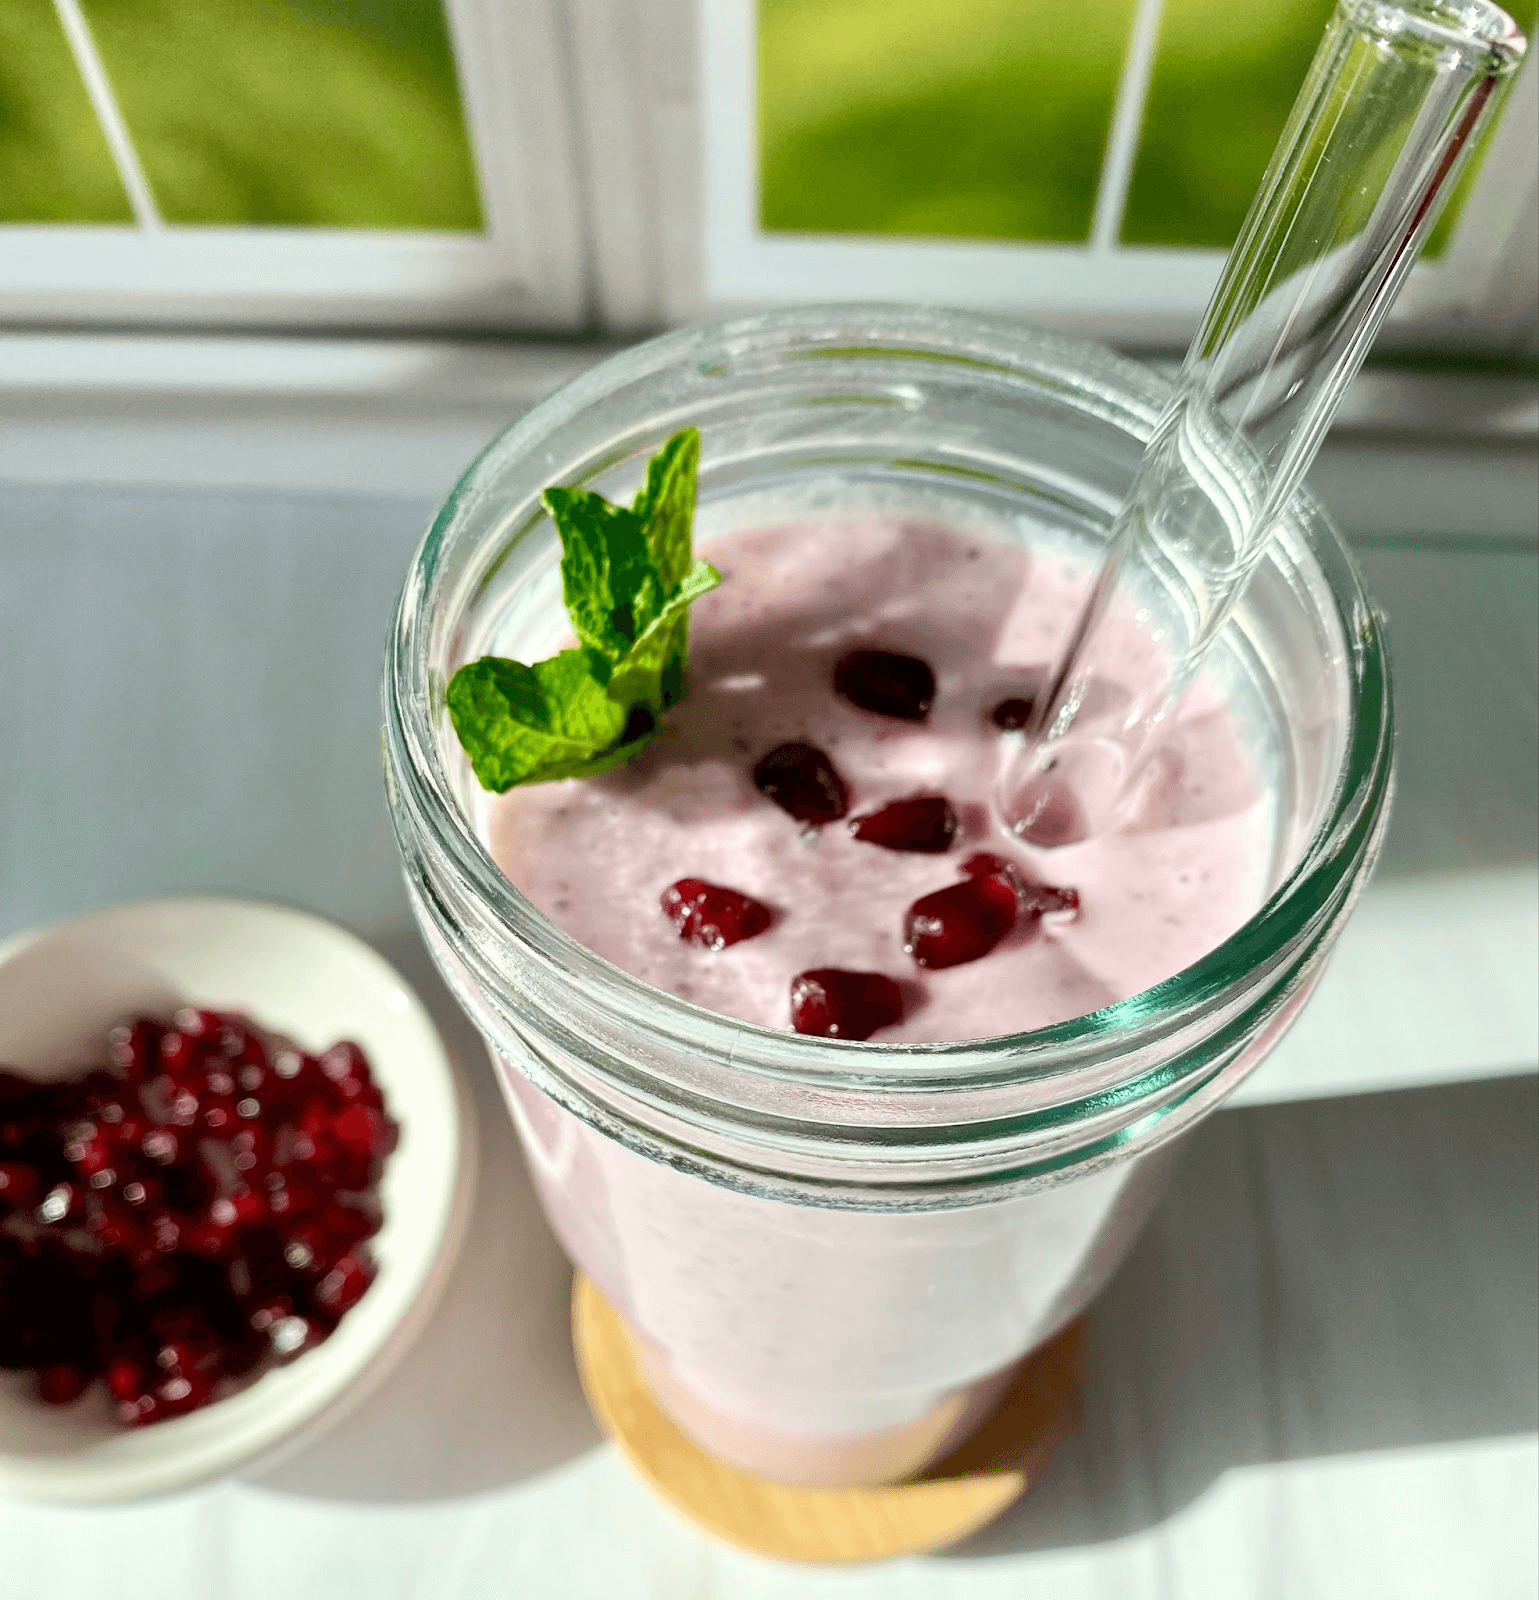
point(666, 506)
point(655, 664)
point(523, 724)
point(609, 580)
point(628, 577)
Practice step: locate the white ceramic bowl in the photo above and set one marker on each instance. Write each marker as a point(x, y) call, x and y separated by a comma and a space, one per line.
point(63, 987)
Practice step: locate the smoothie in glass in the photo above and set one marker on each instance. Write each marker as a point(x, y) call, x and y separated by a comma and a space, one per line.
point(745, 1369)
point(833, 1254)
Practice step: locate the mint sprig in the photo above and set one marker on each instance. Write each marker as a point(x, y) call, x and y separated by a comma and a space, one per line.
point(628, 576)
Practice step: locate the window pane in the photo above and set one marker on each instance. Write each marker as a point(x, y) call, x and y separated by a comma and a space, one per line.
point(343, 113)
point(981, 119)
point(54, 163)
point(1225, 77)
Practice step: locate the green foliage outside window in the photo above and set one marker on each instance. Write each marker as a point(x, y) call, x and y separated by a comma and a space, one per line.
point(54, 162)
point(982, 119)
point(337, 113)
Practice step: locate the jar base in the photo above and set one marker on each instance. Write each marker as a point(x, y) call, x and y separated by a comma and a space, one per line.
point(952, 1499)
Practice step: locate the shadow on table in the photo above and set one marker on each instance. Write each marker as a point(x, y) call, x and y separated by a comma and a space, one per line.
point(489, 1393)
point(1321, 1278)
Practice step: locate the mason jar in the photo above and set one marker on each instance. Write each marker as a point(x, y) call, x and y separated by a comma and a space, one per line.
point(832, 1256)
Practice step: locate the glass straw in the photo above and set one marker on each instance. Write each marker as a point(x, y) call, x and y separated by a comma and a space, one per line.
point(1396, 98)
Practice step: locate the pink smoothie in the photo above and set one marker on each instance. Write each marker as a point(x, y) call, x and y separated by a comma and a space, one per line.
point(596, 855)
point(818, 1345)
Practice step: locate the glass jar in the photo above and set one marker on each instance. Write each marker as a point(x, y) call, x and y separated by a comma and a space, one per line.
point(833, 1255)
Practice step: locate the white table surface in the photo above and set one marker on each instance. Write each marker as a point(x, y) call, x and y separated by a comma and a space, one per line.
point(1316, 1376)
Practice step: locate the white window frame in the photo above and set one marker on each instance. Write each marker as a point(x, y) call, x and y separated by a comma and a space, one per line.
point(615, 143)
point(1479, 297)
point(526, 269)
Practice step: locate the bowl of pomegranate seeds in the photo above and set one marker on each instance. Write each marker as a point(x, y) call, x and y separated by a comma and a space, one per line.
point(235, 1169)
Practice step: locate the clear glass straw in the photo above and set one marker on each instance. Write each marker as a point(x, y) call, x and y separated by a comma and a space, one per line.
point(1396, 98)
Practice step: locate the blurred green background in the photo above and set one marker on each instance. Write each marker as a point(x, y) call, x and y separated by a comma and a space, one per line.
point(981, 119)
point(988, 119)
point(973, 119)
point(343, 113)
point(54, 164)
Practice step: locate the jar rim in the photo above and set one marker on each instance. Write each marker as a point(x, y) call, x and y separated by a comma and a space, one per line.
point(1306, 904)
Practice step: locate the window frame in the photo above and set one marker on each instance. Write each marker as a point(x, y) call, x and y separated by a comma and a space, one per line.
point(1477, 299)
point(526, 268)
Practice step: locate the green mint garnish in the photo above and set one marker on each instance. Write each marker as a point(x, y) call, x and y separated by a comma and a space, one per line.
point(628, 576)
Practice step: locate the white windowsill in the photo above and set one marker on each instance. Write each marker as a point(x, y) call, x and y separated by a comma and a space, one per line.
point(291, 441)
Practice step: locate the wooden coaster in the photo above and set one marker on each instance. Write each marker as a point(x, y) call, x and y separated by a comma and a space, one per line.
point(953, 1499)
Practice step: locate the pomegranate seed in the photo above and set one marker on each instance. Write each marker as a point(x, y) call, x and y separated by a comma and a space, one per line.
point(364, 1131)
point(960, 922)
point(888, 684)
point(144, 1193)
point(163, 1145)
point(344, 1060)
point(135, 1049)
point(183, 1107)
point(712, 916)
point(63, 1204)
point(245, 1208)
point(165, 1232)
point(347, 1225)
point(125, 1379)
point(177, 1355)
point(347, 1070)
point(294, 1335)
point(210, 1240)
point(311, 1143)
point(218, 1113)
point(251, 1149)
point(1013, 714)
point(198, 1023)
point(263, 1316)
point(90, 1154)
point(220, 1081)
point(19, 1186)
point(290, 1197)
point(343, 1286)
point(832, 1003)
point(128, 1133)
point(179, 1054)
point(1039, 899)
point(306, 1249)
point(801, 780)
point(242, 1046)
point(62, 1383)
point(140, 1411)
point(925, 824)
point(296, 1067)
point(181, 1393)
point(353, 1090)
